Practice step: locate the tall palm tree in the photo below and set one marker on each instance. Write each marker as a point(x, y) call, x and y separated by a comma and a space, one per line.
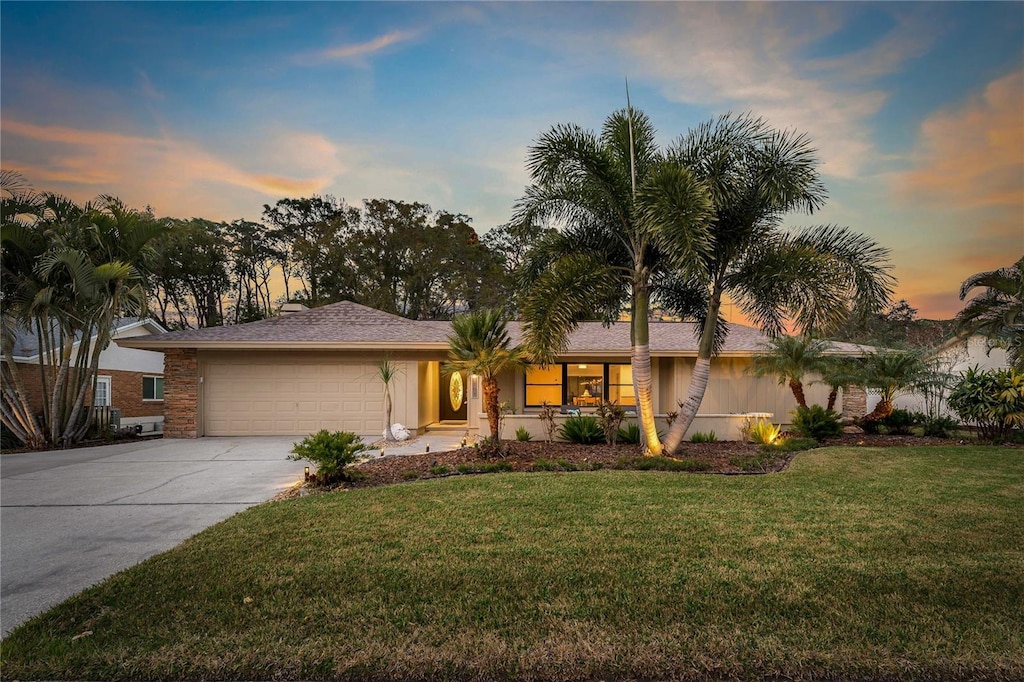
point(479, 344)
point(627, 212)
point(838, 372)
point(791, 358)
point(998, 311)
point(756, 175)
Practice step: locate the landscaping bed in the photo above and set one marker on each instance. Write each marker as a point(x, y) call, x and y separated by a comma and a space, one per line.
point(722, 457)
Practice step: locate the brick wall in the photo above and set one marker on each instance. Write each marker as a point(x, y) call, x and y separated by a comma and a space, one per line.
point(181, 393)
point(126, 390)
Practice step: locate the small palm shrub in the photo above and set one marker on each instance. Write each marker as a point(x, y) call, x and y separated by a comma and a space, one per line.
point(331, 452)
point(761, 431)
point(630, 433)
point(582, 429)
point(523, 434)
point(940, 427)
point(708, 437)
point(993, 401)
point(816, 422)
point(610, 416)
point(899, 422)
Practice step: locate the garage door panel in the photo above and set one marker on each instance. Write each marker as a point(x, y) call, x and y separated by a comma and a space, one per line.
point(242, 397)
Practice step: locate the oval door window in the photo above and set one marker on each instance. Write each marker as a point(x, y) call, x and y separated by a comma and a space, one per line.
point(456, 391)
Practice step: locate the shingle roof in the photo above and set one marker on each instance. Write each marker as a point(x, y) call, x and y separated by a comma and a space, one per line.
point(26, 343)
point(348, 324)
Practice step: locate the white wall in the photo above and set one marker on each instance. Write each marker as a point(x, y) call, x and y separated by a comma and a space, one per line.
point(132, 359)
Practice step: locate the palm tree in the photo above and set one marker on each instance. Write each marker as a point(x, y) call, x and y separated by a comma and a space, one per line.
point(790, 358)
point(891, 373)
point(479, 344)
point(756, 175)
point(998, 311)
point(838, 372)
point(627, 212)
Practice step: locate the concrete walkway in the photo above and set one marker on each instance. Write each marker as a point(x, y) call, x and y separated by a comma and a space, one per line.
point(71, 518)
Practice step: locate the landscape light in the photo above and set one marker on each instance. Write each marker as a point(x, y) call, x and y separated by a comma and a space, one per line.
point(428, 447)
point(305, 473)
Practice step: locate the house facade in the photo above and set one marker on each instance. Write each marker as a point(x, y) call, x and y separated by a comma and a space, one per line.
point(130, 380)
point(318, 369)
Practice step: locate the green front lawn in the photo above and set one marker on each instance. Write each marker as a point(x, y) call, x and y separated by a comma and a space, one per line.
point(901, 563)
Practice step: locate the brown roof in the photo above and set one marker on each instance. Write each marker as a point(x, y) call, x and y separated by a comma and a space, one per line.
point(348, 325)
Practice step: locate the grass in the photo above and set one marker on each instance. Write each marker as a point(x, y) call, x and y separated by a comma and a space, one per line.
point(900, 563)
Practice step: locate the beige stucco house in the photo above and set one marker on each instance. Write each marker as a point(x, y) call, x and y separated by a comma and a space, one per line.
point(317, 369)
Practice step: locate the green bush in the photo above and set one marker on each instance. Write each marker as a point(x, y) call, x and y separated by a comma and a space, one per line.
point(816, 422)
point(630, 433)
point(708, 437)
point(582, 429)
point(993, 401)
point(439, 470)
point(761, 431)
point(331, 452)
point(523, 434)
point(900, 422)
point(940, 427)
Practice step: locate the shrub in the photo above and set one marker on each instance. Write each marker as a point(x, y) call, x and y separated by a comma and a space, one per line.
point(410, 475)
point(993, 401)
point(610, 416)
point(547, 415)
point(869, 427)
point(523, 434)
point(582, 429)
point(439, 470)
point(940, 427)
point(761, 431)
point(630, 433)
point(331, 452)
point(816, 422)
point(708, 437)
point(899, 422)
point(490, 448)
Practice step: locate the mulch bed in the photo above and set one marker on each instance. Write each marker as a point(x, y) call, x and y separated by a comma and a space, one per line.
point(724, 457)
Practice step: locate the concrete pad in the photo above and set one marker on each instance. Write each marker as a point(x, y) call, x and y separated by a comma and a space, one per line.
point(71, 518)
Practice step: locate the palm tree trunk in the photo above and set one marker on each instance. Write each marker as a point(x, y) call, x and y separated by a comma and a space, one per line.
point(491, 406)
point(882, 410)
point(699, 379)
point(388, 433)
point(798, 392)
point(640, 358)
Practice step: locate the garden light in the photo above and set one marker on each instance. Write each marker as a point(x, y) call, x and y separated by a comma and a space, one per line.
point(305, 473)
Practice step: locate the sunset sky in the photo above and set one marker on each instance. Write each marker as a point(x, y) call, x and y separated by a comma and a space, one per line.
point(212, 110)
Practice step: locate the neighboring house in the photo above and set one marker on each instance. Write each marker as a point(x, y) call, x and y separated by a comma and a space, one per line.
point(130, 380)
point(954, 356)
point(317, 369)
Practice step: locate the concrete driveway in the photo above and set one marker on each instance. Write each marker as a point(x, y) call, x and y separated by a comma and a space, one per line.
point(69, 519)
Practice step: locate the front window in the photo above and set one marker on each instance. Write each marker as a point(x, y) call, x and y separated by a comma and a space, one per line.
point(620, 385)
point(585, 384)
point(152, 388)
point(543, 385)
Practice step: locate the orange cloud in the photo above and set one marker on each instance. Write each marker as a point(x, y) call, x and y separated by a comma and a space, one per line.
point(973, 156)
point(358, 50)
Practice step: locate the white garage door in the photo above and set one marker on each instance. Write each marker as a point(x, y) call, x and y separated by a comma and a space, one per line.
point(273, 398)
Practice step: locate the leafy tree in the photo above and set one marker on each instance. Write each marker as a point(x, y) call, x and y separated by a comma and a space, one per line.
point(895, 327)
point(511, 243)
point(998, 311)
point(628, 212)
point(756, 175)
point(310, 230)
point(479, 344)
point(190, 274)
point(254, 253)
point(993, 401)
point(791, 358)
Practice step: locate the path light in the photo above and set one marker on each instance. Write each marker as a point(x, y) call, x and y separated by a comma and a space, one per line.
point(305, 472)
point(382, 452)
point(463, 442)
point(428, 447)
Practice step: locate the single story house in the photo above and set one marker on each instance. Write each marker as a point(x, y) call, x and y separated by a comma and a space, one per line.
point(130, 380)
point(317, 369)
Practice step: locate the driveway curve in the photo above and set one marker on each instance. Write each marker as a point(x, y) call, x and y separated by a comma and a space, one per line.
point(70, 518)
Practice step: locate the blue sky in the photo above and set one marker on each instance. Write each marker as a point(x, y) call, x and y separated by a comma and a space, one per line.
point(212, 110)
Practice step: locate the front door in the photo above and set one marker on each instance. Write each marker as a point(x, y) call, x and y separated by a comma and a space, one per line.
point(453, 396)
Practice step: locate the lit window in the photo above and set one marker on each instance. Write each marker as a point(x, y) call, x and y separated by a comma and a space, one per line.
point(585, 385)
point(620, 385)
point(152, 388)
point(543, 385)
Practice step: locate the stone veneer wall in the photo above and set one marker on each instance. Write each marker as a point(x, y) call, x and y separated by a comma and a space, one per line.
point(855, 402)
point(181, 393)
